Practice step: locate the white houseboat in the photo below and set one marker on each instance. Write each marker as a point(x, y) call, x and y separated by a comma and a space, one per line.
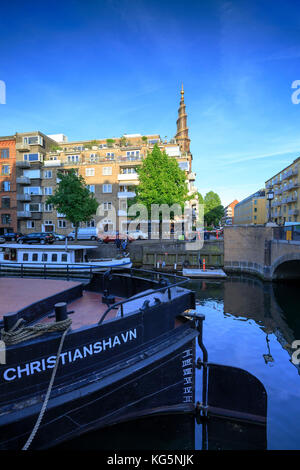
point(54, 257)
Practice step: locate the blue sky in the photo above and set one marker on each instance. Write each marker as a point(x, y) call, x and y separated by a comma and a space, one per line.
point(97, 69)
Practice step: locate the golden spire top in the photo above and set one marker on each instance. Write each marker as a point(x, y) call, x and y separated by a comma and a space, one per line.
point(182, 92)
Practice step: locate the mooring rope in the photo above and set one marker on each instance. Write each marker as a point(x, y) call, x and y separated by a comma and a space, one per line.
point(47, 396)
point(18, 334)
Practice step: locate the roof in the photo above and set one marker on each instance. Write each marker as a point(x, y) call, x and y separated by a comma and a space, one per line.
point(46, 247)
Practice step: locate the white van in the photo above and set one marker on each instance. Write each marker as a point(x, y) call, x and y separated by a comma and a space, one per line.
point(89, 233)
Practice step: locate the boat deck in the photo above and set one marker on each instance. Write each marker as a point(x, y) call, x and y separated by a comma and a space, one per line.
point(88, 310)
point(16, 294)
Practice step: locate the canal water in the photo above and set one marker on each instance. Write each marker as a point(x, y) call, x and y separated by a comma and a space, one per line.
point(248, 324)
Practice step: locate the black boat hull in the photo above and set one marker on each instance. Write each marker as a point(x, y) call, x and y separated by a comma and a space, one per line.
point(158, 380)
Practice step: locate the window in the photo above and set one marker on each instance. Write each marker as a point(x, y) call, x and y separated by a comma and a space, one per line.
point(30, 223)
point(93, 157)
point(107, 188)
point(184, 166)
point(32, 173)
point(6, 186)
point(48, 190)
point(44, 256)
point(73, 158)
point(54, 257)
point(5, 170)
point(4, 153)
point(33, 140)
point(64, 257)
point(107, 170)
point(62, 224)
point(48, 174)
point(130, 170)
point(90, 172)
point(107, 206)
point(255, 209)
point(48, 207)
point(91, 223)
point(32, 157)
point(5, 202)
point(5, 219)
point(91, 187)
point(34, 257)
point(34, 190)
point(25, 256)
point(32, 207)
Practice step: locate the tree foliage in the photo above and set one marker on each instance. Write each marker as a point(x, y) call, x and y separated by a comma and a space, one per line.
point(161, 181)
point(73, 199)
point(213, 209)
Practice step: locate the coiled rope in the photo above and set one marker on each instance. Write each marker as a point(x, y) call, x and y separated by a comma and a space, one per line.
point(16, 335)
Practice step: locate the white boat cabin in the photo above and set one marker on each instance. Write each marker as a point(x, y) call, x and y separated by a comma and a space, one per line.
point(14, 253)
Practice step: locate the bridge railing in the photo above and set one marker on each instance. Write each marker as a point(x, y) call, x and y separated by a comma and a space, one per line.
point(287, 232)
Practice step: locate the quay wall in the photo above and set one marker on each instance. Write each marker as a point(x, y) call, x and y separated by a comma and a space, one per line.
point(148, 253)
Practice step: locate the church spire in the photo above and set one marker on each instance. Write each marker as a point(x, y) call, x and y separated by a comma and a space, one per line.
point(182, 135)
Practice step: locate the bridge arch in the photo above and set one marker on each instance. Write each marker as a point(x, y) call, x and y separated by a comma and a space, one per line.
point(286, 267)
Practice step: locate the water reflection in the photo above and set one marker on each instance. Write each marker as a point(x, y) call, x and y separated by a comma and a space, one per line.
point(249, 324)
point(272, 306)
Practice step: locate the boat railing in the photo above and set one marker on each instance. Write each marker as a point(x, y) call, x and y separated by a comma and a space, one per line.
point(48, 270)
point(168, 280)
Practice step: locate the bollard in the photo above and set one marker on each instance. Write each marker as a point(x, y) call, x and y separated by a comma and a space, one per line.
point(9, 320)
point(203, 264)
point(60, 311)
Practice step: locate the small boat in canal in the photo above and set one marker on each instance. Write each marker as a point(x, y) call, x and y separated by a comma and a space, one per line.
point(76, 357)
point(54, 258)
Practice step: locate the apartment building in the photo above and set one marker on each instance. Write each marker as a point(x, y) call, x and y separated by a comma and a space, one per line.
point(285, 187)
point(109, 167)
point(8, 191)
point(251, 210)
point(228, 218)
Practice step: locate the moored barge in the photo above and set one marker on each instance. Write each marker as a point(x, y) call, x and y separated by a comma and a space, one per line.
point(76, 358)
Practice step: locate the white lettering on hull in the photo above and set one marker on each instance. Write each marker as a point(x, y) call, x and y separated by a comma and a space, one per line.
point(68, 357)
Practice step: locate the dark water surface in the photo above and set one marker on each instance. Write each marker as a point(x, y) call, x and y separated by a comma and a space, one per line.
point(248, 324)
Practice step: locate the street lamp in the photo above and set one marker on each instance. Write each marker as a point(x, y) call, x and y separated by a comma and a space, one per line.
point(270, 197)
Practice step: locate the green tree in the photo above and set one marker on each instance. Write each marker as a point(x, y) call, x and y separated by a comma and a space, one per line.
point(161, 181)
point(110, 142)
point(213, 209)
point(73, 199)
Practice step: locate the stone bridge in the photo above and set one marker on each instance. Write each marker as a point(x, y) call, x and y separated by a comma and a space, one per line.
point(258, 249)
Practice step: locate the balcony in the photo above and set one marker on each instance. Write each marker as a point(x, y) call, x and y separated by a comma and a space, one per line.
point(23, 180)
point(24, 215)
point(278, 191)
point(22, 164)
point(269, 185)
point(48, 163)
point(128, 177)
point(293, 212)
point(24, 197)
point(122, 194)
point(192, 176)
point(22, 147)
point(36, 215)
point(292, 185)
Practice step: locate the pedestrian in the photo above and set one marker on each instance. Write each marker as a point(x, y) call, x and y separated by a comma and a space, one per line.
point(124, 245)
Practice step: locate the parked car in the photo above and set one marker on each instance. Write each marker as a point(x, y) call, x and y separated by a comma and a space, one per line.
point(107, 237)
point(137, 234)
point(89, 233)
point(39, 237)
point(12, 236)
point(58, 236)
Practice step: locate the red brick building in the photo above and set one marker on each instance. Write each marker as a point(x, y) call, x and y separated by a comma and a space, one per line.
point(8, 190)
